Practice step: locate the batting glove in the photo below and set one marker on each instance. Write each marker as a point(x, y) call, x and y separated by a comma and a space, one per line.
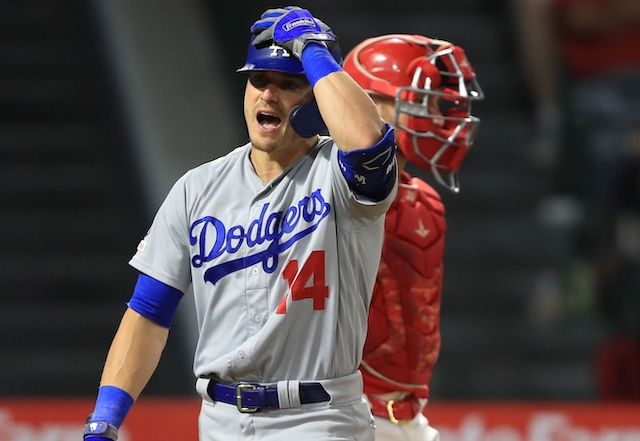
point(292, 28)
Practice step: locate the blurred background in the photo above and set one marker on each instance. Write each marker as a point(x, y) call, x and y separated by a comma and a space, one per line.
point(105, 103)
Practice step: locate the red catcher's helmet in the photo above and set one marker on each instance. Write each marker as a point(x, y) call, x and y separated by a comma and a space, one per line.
point(417, 70)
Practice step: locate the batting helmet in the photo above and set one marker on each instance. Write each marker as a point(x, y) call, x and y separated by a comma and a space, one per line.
point(277, 58)
point(271, 57)
point(416, 70)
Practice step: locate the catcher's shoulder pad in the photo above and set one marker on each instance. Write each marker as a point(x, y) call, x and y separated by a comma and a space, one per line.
point(417, 215)
point(429, 196)
point(414, 232)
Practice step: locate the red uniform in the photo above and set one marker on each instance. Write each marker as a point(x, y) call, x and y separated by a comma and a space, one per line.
point(403, 341)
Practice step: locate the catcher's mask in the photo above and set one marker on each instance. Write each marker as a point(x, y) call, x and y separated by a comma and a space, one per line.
point(305, 119)
point(433, 85)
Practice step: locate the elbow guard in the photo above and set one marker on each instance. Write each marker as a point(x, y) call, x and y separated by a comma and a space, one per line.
point(371, 172)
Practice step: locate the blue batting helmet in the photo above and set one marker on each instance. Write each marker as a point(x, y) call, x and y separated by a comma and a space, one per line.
point(271, 57)
point(277, 58)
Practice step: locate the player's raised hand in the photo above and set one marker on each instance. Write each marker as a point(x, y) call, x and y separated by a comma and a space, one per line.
point(292, 28)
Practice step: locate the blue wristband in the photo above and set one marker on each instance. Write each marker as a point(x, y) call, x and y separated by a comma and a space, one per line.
point(112, 405)
point(318, 62)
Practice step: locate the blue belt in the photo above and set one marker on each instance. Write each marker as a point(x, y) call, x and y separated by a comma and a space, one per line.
point(251, 398)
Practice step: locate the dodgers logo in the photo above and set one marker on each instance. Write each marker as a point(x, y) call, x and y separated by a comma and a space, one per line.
point(277, 50)
point(280, 229)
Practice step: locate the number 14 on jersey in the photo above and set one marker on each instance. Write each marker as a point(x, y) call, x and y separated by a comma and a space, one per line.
point(307, 282)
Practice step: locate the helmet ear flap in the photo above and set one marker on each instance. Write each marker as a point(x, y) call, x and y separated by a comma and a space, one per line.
point(426, 70)
point(306, 120)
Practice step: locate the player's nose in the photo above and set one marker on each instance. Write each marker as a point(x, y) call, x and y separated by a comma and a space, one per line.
point(271, 93)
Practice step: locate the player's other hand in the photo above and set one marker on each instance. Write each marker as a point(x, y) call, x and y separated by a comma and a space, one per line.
point(292, 28)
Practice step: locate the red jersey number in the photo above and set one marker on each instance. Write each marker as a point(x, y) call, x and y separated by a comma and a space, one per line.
point(298, 282)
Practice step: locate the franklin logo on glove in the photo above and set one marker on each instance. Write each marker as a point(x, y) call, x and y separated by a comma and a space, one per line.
point(302, 22)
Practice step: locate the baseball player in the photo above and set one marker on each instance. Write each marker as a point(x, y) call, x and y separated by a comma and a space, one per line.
point(425, 87)
point(281, 240)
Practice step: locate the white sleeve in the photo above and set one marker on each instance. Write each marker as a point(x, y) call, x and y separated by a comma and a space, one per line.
point(164, 252)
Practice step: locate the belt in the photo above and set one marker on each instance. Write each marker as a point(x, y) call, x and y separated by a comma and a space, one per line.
point(396, 411)
point(249, 397)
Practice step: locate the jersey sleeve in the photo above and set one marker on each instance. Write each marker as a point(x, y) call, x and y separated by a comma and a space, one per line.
point(164, 251)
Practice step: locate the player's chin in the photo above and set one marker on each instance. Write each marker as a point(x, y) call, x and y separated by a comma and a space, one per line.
point(264, 143)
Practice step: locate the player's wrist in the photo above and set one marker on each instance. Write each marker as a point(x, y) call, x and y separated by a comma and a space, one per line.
point(112, 406)
point(318, 62)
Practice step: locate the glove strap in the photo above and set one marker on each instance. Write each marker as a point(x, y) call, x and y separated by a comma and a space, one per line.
point(101, 429)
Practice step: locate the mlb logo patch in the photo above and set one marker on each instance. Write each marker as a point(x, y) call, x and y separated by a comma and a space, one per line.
point(142, 245)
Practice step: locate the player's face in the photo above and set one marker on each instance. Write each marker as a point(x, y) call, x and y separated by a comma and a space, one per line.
point(268, 98)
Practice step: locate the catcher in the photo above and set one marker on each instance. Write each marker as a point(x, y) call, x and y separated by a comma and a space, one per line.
point(425, 88)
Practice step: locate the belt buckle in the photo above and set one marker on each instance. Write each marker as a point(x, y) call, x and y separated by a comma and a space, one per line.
point(392, 417)
point(239, 389)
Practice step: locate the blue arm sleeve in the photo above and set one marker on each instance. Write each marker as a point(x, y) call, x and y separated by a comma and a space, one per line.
point(371, 172)
point(155, 300)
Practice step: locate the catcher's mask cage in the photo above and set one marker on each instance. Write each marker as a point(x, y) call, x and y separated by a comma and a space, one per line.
point(433, 85)
point(305, 119)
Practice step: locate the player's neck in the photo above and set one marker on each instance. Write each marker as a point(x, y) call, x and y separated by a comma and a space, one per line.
point(269, 165)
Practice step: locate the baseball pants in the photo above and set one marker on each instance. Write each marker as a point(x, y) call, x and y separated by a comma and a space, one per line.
point(345, 417)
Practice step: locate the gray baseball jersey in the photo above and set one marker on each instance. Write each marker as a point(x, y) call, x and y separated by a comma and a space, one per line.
point(282, 273)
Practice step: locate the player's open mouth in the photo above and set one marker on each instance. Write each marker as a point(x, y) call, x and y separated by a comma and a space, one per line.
point(268, 121)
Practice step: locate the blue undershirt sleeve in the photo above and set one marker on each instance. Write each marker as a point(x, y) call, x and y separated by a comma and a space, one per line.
point(155, 300)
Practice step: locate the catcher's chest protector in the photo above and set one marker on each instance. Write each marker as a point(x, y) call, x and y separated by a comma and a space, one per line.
point(403, 340)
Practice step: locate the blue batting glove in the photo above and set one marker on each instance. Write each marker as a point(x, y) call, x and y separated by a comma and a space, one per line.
point(292, 28)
